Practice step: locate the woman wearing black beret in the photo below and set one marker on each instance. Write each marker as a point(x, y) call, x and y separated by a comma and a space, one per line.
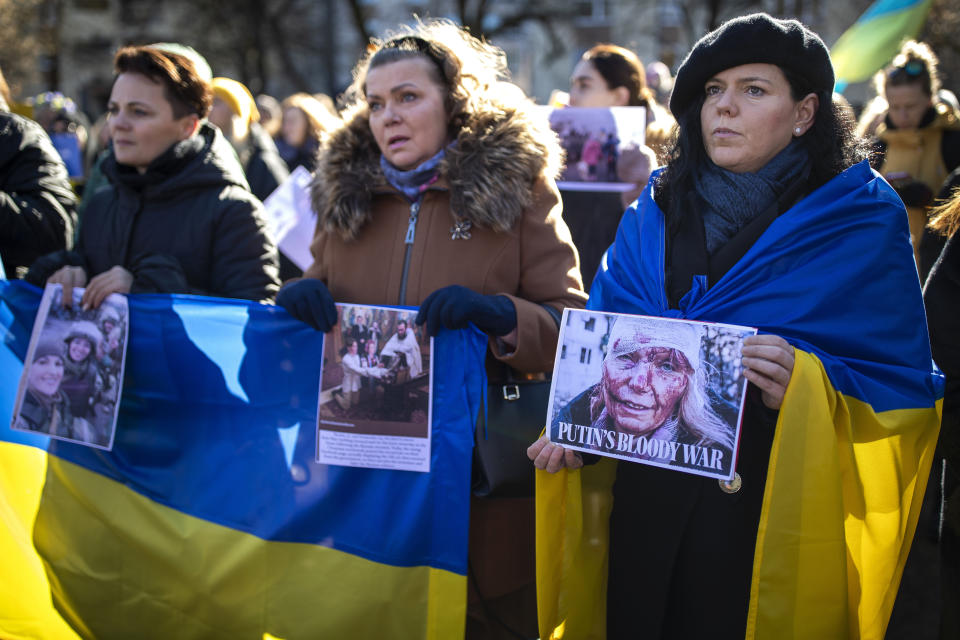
point(765, 215)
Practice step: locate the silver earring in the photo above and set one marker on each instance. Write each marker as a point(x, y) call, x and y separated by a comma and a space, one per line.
point(797, 130)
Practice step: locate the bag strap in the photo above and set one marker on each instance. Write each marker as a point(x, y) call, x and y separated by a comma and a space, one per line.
point(508, 376)
point(556, 315)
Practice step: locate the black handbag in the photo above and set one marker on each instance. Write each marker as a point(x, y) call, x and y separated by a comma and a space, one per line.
point(514, 417)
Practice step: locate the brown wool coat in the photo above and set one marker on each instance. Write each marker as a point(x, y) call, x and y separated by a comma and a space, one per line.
point(498, 177)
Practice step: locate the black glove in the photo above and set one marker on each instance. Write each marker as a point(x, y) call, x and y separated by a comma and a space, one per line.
point(309, 301)
point(914, 193)
point(455, 307)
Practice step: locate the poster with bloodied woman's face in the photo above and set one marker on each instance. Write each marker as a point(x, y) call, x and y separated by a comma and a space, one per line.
point(657, 391)
point(73, 373)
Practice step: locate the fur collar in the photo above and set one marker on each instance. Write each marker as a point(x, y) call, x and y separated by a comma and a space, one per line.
point(498, 155)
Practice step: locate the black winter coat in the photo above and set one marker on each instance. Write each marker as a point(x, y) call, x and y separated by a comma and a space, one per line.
point(36, 201)
point(700, 530)
point(186, 225)
point(261, 161)
point(941, 297)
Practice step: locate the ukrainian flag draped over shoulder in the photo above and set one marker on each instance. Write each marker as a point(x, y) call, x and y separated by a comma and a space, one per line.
point(875, 37)
point(210, 517)
point(835, 276)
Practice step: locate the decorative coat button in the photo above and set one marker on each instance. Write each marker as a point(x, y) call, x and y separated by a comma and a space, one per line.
point(461, 230)
point(733, 485)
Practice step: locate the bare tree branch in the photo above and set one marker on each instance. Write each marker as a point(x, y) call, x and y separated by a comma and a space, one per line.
point(462, 12)
point(940, 32)
point(481, 15)
point(359, 21)
point(283, 50)
point(532, 13)
point(557, 44)
point(21, 42)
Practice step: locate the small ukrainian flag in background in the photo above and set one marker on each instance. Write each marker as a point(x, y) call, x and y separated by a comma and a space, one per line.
point(875, 38)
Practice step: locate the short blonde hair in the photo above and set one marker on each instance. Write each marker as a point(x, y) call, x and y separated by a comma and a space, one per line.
point(945, 218)
point(319, 118)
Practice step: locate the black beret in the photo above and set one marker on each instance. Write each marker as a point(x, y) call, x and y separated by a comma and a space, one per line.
point(747, 40)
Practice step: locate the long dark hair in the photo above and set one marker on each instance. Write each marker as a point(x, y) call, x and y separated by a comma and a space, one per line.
point(621, 67)
point(831, 143)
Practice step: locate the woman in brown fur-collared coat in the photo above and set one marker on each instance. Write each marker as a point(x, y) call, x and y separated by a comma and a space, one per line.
point(439, 192)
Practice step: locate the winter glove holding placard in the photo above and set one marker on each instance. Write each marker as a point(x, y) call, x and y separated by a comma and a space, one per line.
point(455, 307)
point(309, 301)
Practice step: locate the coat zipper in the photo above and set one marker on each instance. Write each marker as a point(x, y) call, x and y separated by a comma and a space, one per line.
point(408, 241)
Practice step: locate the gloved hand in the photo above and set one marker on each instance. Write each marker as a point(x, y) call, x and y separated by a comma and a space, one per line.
point(454, 307)
point(915, 193)
point(309, 301)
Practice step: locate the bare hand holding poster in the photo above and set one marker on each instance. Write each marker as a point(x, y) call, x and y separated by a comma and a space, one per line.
point(658, 391)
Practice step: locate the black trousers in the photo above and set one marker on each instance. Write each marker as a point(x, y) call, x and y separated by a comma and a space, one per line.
point(681, 550)
point(950, 553)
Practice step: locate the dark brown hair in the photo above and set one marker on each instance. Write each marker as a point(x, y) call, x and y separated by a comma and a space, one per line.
point(444, 66)
point(621, 67)
point(183, 87)
point(468, 70)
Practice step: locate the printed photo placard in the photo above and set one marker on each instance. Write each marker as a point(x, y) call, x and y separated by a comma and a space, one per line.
point(596, 142)
point(657, 391)
point(73, 374)
point(374, 409)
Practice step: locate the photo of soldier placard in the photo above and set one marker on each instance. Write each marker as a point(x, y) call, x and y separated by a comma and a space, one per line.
point(374, 408)
point(658, 391)
point(73, 373)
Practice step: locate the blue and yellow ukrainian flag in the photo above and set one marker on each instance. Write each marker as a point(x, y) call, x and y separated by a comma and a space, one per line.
point(210, 517)
point(875, 38)
point(854, 443)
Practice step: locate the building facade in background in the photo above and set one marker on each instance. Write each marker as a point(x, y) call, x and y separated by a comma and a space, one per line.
point(291, 45)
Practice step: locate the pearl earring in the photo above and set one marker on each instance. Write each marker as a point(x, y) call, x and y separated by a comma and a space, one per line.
point(797, 130)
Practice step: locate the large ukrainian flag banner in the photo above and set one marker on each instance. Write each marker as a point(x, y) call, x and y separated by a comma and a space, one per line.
point(210, 517)
point(875, 38)
point(835, 276)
